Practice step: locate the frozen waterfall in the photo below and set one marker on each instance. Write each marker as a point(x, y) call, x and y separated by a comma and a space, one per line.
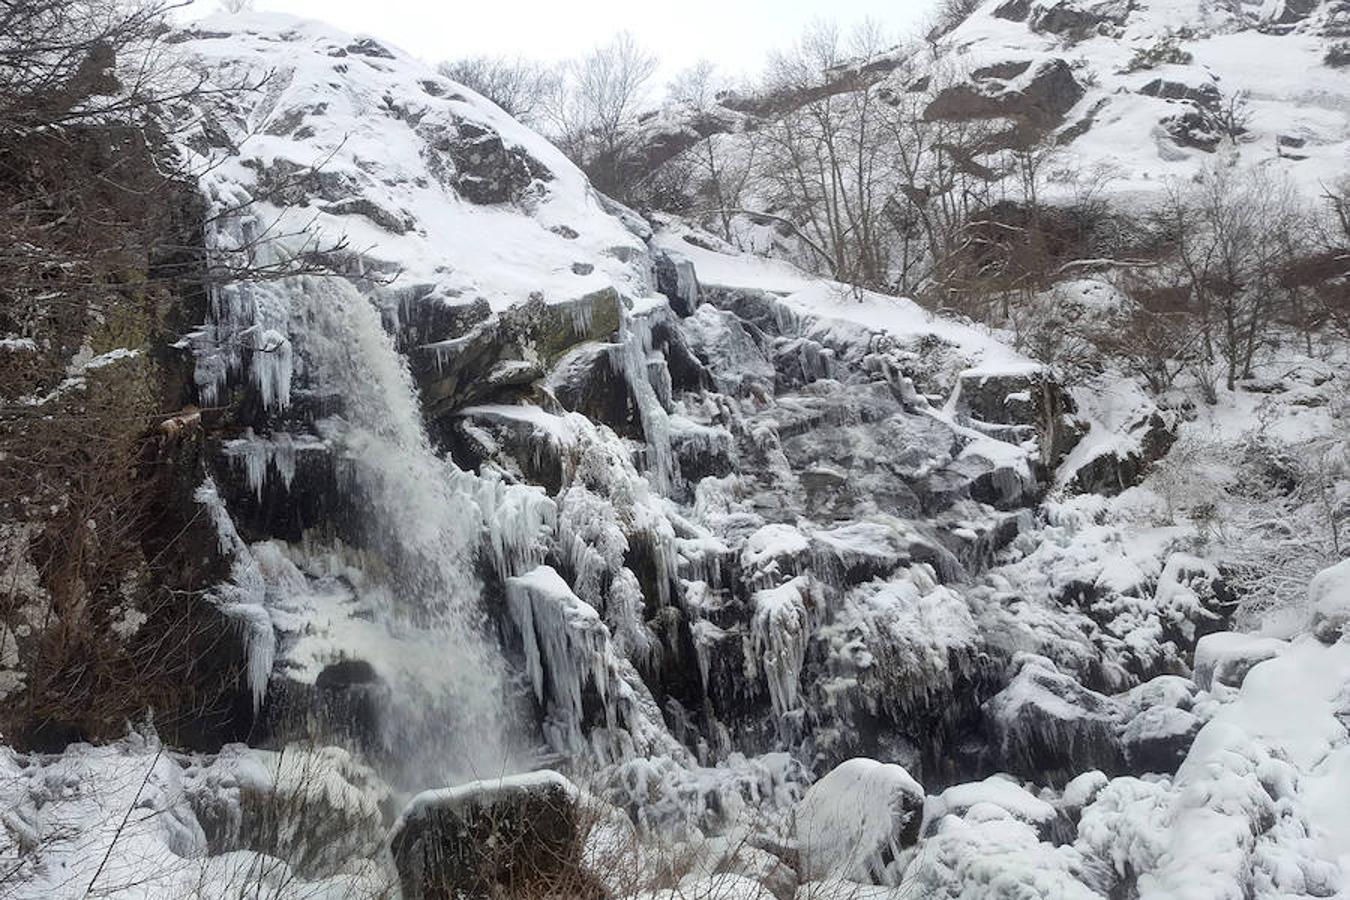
point(398, 590)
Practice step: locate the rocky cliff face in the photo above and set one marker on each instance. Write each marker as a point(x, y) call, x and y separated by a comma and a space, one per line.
point(514, 479)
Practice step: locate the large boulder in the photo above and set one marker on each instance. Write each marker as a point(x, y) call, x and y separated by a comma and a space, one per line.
point(1078, 18)
point(317, 808)
point(675, 277)
point(855, 822)
point(1049, 726)
point(511, 836)
point(1225, 658)
point(1123, 462)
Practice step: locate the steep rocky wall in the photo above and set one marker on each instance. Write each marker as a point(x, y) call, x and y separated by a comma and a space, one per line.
point(106, 617)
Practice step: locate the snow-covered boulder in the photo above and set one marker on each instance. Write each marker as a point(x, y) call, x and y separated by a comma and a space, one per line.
point(1329, 596)
point(994, 792)
point(318, 808)
point(1225, 657)
point(1158, 738)
point(1049, 726)
point(987, 840)
point(856, 822)
point(489, 836)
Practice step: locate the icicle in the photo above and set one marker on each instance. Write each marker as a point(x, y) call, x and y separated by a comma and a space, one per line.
point(520, 521)
point(278, 452)
point(245, 317)
point(624, 614)
point(566, 645)
point(242, 598)
point(583, 311)
point(778, 637)
point(630, 357)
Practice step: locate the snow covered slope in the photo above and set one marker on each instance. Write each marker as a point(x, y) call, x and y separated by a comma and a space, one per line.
point(345, 137)
point(1145, 68)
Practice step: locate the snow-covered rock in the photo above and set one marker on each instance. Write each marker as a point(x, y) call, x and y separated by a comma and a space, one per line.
point(1329, 595)
point(488, 836)
point(856, 822)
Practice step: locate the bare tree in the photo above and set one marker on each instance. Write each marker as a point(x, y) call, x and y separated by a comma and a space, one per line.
point(594, 104)
point(695, 86)
point(1234, 234)
point(519, 86)
point(826, 164)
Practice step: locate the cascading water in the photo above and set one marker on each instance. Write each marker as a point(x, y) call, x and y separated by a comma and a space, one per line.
point(419, 530)
point(398, 591)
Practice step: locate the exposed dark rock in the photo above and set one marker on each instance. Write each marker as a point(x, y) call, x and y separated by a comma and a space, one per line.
point(369, 47)
point(841, 79)
point(361, 206)
point(1033, 399)
point(486, 170)
point(1013, 10)
point(675, 277)
point(1206, 96)
point(1113, 471)
point(1002, 71)
point(289, 183)
point(1078, 18)
point(586, 381)
point(529, 452)
point(1192, 129)
point(1158, 739)
point(450, 372)
point(656, 142)
point(426, 320)
point(311, 499)
point(1294, 11)
point(1337, 55)
point(1040, 105)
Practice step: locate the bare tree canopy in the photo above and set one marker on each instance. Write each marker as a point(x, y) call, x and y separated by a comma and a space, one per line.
point(519, 86)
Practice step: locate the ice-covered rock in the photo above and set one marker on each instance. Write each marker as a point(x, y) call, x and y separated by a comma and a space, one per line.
point(1051, 727)
point(857, 821)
